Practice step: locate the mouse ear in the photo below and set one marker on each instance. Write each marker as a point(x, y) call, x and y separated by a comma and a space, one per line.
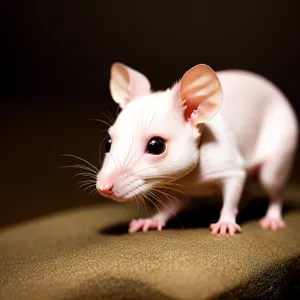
point(201, 93)
point(127, 84)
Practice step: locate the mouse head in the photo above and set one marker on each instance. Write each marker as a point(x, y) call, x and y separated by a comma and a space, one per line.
point(155, 138)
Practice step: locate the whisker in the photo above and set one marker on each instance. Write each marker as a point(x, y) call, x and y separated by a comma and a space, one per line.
point(137, 202)
point(125, 164)
point(111, 117)
point(176, 184)
point(143, 194)
point(153, 167)
point(164, 193)
point(175, 190)
point(155, 178)
point(80, 158)
point(160, 201)
point(140, 200)
point(128, 164)
point(166, 196)
point(79, 167)
point(145, 205)
point(151, 120)
point(130, 168)
point(143, 119)
point(149, 114)
point(86, 174)
point(102, 121)
point(113, 161)
point(88, 180)
point(119, 164)
point(132, 155)
point(118, 110)
point(86, 183)
point(92, 192)
point(149, 198)
point(165, 185)
point(160, 176)
point(170, 211)
point(99, 149)
point(91, 186)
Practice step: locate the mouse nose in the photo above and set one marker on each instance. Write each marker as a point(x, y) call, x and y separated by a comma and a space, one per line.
point(106, 189)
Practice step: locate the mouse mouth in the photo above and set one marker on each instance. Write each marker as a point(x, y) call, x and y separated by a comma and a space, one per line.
point(129, 188)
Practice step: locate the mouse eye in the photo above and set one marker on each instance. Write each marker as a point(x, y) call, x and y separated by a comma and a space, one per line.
point(156, 146)
point(108, 145)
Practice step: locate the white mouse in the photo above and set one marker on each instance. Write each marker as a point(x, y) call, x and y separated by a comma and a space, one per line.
point(206, 135)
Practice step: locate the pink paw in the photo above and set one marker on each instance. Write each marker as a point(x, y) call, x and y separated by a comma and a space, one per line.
point(272, 223)
point(223, 227)
point(145, 224)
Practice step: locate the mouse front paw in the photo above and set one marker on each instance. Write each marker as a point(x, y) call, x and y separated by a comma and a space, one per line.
point(272, 223)
point(222, 227)
point(146, 224)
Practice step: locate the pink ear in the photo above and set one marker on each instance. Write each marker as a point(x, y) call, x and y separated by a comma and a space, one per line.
point(127, 84)
point(201, 93)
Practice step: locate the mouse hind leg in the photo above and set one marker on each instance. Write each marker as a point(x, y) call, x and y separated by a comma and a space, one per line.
point(273, 175)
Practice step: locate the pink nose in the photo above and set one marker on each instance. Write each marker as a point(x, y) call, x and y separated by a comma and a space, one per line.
point(106, 189)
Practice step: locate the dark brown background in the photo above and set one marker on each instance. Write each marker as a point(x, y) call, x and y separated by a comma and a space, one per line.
point(54, 67)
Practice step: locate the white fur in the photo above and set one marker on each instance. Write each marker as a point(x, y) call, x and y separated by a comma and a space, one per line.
point(255, 131)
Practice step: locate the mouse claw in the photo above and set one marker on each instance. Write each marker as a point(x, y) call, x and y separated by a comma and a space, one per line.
point(145, 225)
point(224, 227)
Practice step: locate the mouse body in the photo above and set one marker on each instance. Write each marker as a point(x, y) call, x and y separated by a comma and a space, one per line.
point(206, 135)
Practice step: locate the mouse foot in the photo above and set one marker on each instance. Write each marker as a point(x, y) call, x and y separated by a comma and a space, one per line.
point(145, 225)
point(223, 227)
point(272, 223)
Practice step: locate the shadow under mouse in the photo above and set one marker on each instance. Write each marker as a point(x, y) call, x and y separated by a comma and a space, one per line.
point(200, 214)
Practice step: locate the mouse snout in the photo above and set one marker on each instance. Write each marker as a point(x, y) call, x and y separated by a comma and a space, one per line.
point(106, 188)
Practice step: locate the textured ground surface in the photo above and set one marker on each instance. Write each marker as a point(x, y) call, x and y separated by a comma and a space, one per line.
point(87, 254)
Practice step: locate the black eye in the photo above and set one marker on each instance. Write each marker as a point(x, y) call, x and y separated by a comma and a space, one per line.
point(107, 145)
point(156, 146)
